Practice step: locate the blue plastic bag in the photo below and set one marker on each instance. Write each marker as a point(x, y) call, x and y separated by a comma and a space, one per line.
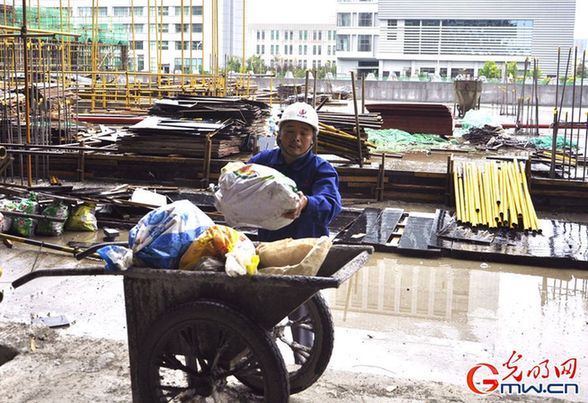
point(116, 257)
point(162, 236)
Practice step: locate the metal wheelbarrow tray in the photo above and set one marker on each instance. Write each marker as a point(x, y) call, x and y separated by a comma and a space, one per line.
point(195, 333)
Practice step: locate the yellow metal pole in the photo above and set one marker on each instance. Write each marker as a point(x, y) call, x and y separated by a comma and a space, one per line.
point(159, 41)
point(182, 40)
point(243, 64)
point(271, 90)
point(456, 196)
point(149, 39)
point(202, 45)
point(26, 90)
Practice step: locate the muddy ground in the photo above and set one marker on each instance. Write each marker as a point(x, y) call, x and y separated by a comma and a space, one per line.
point(52, 367)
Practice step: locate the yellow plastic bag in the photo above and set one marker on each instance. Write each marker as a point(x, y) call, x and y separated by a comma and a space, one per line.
point(223, 242)
point(82, 218)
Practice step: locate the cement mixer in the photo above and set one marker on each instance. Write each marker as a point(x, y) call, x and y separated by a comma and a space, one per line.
point(467, 95)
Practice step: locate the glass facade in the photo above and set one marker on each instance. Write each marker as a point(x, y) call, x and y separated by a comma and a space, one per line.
point(466, 37)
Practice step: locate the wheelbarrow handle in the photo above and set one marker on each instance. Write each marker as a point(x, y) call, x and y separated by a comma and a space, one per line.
point(91, 271)
point(87, 252)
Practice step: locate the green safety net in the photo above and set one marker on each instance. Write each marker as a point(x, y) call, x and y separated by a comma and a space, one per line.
point(545, 142)
point(51, 19)
point(395, 140)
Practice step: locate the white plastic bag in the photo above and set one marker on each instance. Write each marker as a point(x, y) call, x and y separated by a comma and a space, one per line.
point(255, 195)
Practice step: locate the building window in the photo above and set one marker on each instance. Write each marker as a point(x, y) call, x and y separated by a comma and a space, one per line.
point(121, 11)
point(263, 35)
point(314, 49)
point(299, 49)
point(365, 20)
point(137, 45)
point(196, 10)
point(160, 28)
point(364, 43)
point(140, 63)
point(164, 45)
point(318, 49)
point(159, 10)
point(392, 30)
point(258, 51)
point(87, 11)
point(468, 37)
point(305, 49)
point(343, 19)
point(179, 45)
point(258, 35)
point(343, 43)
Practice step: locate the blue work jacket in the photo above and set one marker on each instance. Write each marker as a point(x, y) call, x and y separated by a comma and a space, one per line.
point(319, 182)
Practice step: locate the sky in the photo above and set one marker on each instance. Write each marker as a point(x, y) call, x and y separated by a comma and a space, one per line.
point(315, 11)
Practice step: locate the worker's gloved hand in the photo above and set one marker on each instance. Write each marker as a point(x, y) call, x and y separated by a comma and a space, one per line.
point(294, 214)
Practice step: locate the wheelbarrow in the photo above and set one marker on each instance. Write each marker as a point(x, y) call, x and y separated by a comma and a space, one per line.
point(200, 334)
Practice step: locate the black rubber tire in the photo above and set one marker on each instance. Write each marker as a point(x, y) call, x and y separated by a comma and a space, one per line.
point(302, 377)
point(216, 337)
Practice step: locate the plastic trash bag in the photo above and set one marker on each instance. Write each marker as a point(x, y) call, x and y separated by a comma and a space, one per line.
point(255, 195)
point(293, 256)
point(53, 228)
point(82, 218)
point(162, 236)
point(224, 242)
point(5, 219)
point(117, 257)
point(23, 226)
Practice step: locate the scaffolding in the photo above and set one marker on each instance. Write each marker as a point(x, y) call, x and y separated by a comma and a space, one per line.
point(99, 65)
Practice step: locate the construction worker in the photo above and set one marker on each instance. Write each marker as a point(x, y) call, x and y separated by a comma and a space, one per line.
point(318, 185)
point(316, 179)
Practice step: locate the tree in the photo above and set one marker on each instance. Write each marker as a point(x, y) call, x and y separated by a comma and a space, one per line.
point(581, 71)
point(536, 73)
point(233, 64)
point(256, 65)
point(512, 70)
point(490, 70)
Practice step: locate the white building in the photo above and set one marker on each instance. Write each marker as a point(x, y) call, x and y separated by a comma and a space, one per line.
point(357, 36)
point(287, 46)
point(166, 19)
point(450, 37)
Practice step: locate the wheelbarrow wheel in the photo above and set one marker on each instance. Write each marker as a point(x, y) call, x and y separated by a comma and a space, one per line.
point(306, 360)
point(201, 349)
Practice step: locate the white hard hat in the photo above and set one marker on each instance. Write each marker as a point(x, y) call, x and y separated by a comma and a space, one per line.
point(301, 112)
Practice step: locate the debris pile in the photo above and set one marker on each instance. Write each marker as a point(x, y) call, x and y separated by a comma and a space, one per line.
point(196, 126)
point(337, 134)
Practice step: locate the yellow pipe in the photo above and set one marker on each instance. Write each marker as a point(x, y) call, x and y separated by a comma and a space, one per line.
point(482, 190)
point(456, 196)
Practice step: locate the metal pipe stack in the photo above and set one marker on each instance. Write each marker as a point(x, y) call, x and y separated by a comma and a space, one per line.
point(493, 195)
